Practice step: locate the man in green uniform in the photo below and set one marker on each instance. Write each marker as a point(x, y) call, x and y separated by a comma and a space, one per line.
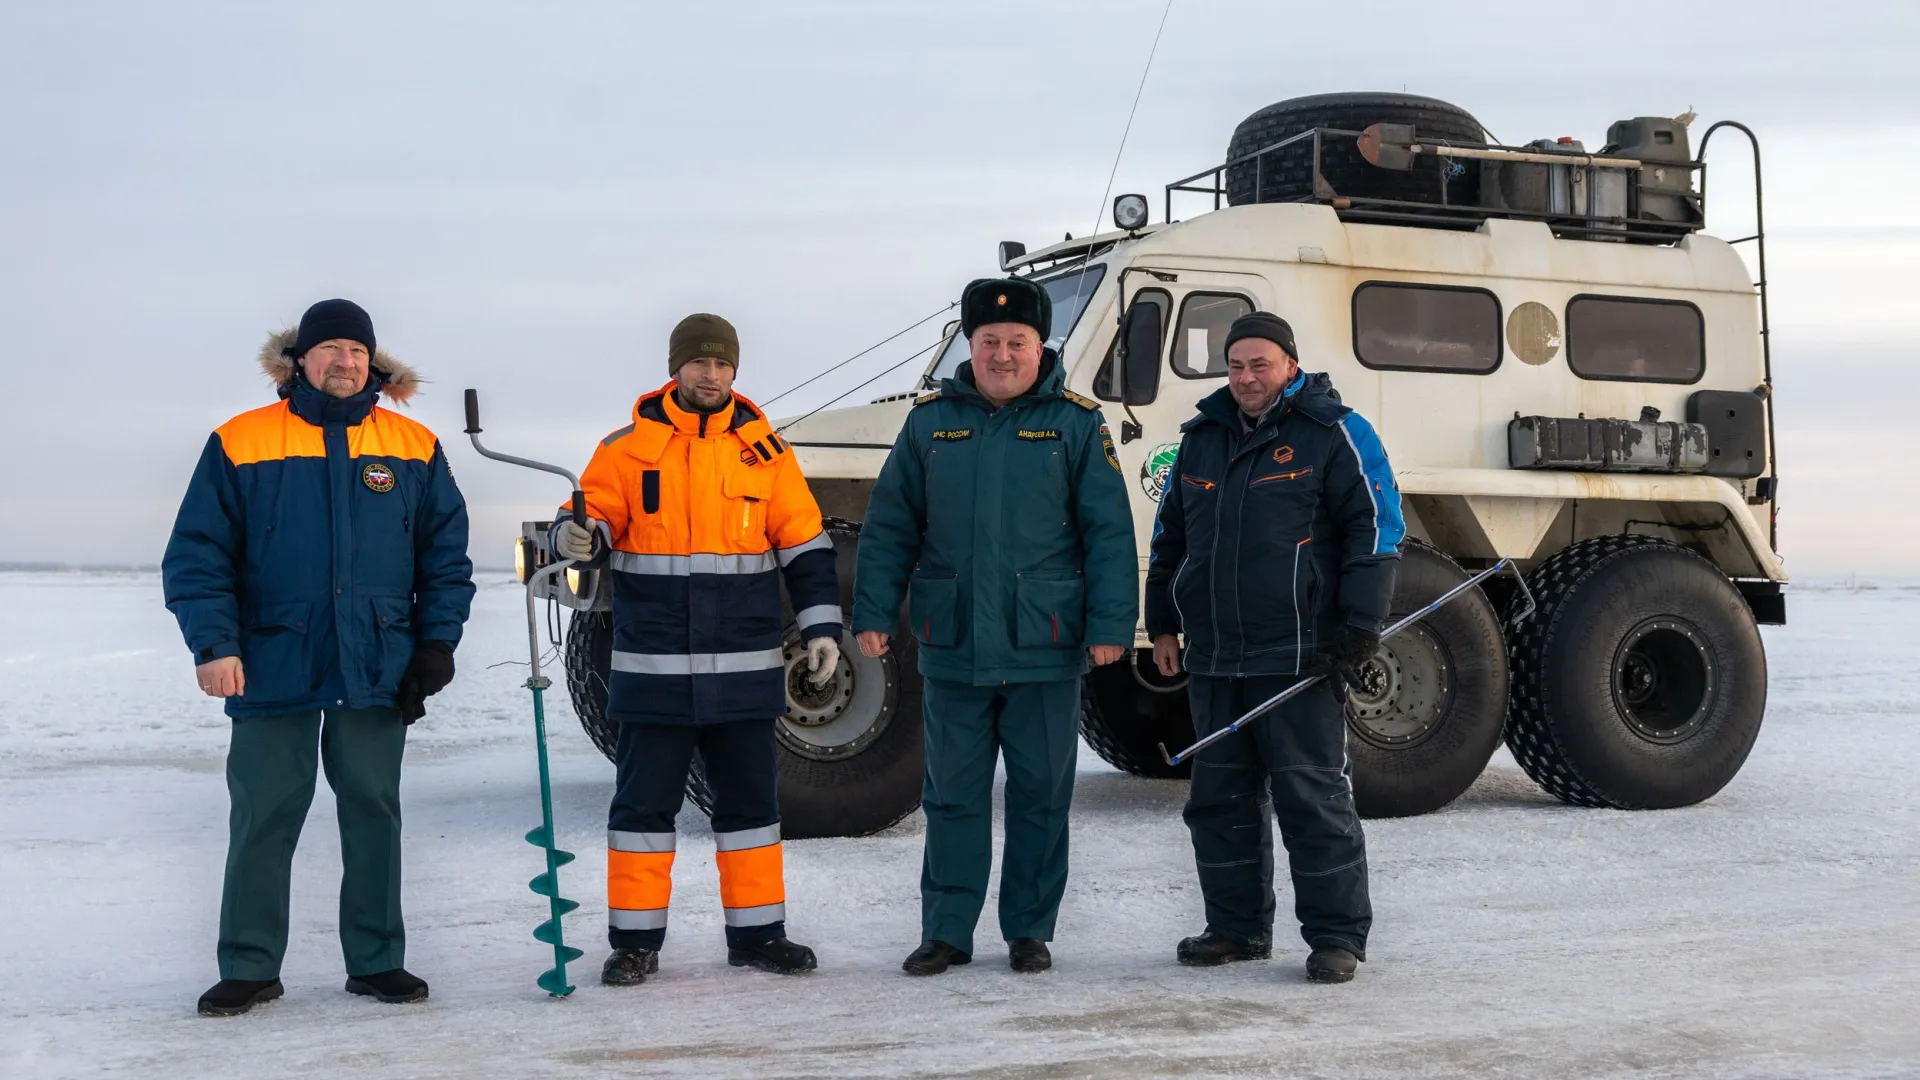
point(1001, 517)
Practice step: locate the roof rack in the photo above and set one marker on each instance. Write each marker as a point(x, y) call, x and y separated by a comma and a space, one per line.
point(1598, 196)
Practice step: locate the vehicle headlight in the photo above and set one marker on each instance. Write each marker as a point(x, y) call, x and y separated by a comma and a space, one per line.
point(523, 560)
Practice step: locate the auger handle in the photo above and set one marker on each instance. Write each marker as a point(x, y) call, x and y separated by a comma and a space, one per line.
point(579, 508)
point(473, 411)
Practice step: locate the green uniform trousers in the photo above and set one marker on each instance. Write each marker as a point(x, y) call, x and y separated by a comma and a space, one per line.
point(270, 777)
point(1037, 726)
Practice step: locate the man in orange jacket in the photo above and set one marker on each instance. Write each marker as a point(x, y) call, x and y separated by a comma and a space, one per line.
point(696, 509)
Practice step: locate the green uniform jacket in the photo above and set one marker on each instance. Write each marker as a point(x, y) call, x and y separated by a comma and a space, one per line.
point(1007, 530)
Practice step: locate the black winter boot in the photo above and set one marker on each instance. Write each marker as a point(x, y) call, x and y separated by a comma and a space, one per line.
point(395, 987)
point(779, 956)
point(629, 967)
point(933, 958)
point(1028, 956)
point(1331, 964)
point(231, 997)
point(1211, 950)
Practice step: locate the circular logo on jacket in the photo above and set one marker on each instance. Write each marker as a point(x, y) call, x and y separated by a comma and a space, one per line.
point(377, 476)
point(1153, 471)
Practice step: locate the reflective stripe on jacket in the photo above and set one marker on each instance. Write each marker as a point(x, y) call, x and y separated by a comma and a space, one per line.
point(1266, 541)
point(703, 514)
point(318, 541)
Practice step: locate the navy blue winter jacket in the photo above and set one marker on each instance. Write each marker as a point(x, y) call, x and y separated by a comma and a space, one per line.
point(1267, 541)
point(318, 541)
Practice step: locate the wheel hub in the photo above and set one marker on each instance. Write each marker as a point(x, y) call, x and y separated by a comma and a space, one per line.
point(1403, 691)
point(841, 716)
point(1664, 679)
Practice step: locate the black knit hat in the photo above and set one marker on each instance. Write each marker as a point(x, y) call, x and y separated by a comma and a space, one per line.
point(1265, 325)
point(1005, 300)
point(330, 319)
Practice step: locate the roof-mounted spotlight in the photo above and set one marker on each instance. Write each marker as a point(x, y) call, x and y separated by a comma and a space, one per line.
point(1009, 251)
point(1130, 211)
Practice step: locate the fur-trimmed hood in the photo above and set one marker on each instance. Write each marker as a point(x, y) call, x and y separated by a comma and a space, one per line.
point(399, 382)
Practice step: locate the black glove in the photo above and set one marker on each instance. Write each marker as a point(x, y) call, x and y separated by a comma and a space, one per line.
point(1349, 652)
point(428, 673)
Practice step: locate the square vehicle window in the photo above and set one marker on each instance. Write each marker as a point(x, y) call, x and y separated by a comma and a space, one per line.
point(1437, 328)
point(1635, 340)
point(1200, 339)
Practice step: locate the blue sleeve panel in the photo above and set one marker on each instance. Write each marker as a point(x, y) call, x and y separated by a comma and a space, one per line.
point(1365, 504)
point(200, 572)
point(443, 574)
point(813, 585)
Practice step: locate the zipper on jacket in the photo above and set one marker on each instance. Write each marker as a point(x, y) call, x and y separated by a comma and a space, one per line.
point(1297, 549)
point(1282, 476)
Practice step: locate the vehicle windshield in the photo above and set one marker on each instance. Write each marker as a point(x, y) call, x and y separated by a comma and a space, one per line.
point(1069, 293)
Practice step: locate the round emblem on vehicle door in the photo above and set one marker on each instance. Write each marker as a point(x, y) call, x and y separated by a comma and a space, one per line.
point(1153, 471)
point(377, 476)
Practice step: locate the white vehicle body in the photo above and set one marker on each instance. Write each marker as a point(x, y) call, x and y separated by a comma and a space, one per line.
point(1445, 433)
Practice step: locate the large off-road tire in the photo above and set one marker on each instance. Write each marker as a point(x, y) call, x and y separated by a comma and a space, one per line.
point(850, 751)
point(1640, 681)
point(589, 658)
point(1433, 700)
point(1127, 709)
point(1287, 175)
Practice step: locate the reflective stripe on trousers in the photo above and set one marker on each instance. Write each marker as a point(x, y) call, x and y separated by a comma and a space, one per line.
point(698, 663)
point(753, 890)
point(639, 879)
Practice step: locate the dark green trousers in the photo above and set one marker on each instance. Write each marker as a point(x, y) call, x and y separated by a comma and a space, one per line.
point(1037, 728)
point(270, 776)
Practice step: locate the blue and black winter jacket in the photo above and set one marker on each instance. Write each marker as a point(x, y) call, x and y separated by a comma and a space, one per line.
point(318, 541)
point(1267, 541)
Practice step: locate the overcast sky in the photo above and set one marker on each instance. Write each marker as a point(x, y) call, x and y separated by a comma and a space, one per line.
point(527, 196)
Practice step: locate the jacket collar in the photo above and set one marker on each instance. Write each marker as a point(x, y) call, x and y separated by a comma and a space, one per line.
point(657, 418)
point(1051, 380)
point(320, 410)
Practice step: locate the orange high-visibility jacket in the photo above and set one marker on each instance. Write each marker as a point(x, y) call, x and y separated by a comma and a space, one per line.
point(699, 512)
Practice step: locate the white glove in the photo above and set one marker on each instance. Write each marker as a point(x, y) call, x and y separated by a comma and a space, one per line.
point(571, 541)
point(823, 655)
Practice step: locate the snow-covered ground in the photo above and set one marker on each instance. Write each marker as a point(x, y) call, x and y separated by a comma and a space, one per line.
point(1774, 931)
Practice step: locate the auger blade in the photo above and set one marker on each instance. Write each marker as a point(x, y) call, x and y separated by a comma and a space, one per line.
point(555, 982)
point(549, 933)
point(562, 905)
point(561, 858)
point(539, 837)
point(544, 885)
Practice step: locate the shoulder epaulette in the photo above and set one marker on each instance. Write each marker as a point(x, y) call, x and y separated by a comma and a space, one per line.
point(1086, 403)
point(924, 398)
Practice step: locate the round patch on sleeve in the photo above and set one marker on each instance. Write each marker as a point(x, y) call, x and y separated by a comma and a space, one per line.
point(377, 476)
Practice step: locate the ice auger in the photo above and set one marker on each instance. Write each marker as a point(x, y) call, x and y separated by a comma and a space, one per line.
point(1290, 692)
point(554, 979)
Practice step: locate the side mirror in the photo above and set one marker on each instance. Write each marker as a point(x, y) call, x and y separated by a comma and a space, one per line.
point(1009, 251)
point(1138, 349)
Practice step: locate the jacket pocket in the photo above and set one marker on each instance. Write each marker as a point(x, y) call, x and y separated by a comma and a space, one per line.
point(393, 649)
point(274, 655)
point(1049, 610)
point(932, 603)
point(747, 492)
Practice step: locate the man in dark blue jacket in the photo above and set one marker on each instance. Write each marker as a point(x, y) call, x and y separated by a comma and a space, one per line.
point(319, 572)
point(1274, 554)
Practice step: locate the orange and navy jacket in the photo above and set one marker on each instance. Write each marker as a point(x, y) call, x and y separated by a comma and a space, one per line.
point(318, 541)
point(698, 512)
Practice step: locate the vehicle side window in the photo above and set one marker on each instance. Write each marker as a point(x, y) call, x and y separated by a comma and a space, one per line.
point(1143, 372)
point(1438, 328)
point(1200, 339)
point(1635, 339)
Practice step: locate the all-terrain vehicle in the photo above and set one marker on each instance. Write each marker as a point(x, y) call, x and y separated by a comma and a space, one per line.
point(1565, 371)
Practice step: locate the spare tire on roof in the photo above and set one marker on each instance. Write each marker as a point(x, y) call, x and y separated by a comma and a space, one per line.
point(1287, 175)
